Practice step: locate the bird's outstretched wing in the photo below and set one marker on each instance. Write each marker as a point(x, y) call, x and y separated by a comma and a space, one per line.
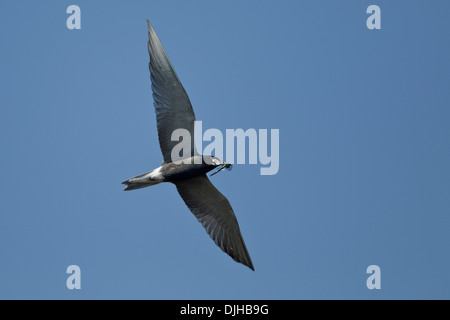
point(214, 212)
point(172, 105)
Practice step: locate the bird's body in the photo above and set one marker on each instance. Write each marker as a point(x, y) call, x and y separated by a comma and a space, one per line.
point(174, 111)
point(173, 172)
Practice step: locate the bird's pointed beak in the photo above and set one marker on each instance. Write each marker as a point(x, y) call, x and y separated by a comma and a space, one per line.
point(224, 165)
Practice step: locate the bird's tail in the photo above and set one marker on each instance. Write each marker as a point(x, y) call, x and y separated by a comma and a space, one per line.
point(140, 181)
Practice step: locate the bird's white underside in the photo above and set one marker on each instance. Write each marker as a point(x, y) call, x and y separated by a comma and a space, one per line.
point(156, 174)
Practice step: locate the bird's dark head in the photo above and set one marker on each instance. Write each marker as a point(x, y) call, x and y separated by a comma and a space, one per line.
point(215, 162)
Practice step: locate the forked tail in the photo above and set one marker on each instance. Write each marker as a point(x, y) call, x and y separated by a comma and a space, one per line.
point(141, 181)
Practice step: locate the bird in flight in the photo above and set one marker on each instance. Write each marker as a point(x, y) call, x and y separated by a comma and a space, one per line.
point(174, 111)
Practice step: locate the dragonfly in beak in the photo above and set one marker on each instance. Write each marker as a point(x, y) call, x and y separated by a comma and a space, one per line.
point(225, 165)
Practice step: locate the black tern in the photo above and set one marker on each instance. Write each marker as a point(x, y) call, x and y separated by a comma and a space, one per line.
point(174, 111)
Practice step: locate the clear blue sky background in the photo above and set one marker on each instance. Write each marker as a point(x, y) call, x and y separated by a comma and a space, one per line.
point(364, 120)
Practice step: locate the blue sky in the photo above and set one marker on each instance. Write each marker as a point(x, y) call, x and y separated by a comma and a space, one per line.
point(364, 173)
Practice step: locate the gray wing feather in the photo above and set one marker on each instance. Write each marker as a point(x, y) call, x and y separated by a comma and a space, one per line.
point(214, 212)
point(172, 106)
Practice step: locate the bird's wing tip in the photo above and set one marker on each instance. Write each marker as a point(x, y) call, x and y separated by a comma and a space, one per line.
point(150, 28)
point(248, 264)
